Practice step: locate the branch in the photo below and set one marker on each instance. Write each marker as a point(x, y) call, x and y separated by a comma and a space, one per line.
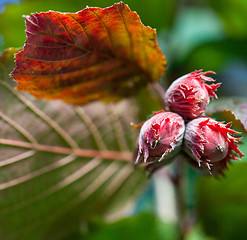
point(160, 90)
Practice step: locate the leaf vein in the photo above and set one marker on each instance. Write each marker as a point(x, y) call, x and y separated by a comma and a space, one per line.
point(107, 30)
point(18, 128)
point(64, 27)
point(62, 60)
point(69, 73)
point(91, 126)
point(17, 158)
point(125, 25)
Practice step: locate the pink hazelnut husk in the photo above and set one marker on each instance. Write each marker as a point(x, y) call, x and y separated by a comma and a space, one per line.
point(212, 144)
point(189, 94)
point(160, 138)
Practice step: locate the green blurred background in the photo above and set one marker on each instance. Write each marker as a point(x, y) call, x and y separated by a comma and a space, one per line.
point(193, 34)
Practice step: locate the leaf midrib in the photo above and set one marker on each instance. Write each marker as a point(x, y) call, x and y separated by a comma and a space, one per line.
point(79, 152)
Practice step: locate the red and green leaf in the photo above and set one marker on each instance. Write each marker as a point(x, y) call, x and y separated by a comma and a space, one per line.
point(231, 109)
point(94, 54)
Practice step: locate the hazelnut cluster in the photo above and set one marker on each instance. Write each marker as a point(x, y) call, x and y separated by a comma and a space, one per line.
point(207, 143)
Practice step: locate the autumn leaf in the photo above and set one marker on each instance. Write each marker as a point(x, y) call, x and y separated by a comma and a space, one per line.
point(60, 164)
point(94, 54)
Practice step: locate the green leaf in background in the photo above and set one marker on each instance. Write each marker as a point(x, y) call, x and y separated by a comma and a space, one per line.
point(222, 203)
point(140, 227)
point(143, 226)
point(197, 233)
point(233, 15)
point(231, 110)
point(7, 63)
point(215, 54)
point(191, 32)
point(58, 163)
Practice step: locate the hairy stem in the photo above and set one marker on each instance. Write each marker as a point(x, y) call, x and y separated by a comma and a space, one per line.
point(181, 201)
point(160, 90)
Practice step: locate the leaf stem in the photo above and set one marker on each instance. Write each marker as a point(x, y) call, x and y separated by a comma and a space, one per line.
point(105, 154)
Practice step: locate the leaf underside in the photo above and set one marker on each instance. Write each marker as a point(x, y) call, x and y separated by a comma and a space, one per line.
point(94, 54)
point(49, 183)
